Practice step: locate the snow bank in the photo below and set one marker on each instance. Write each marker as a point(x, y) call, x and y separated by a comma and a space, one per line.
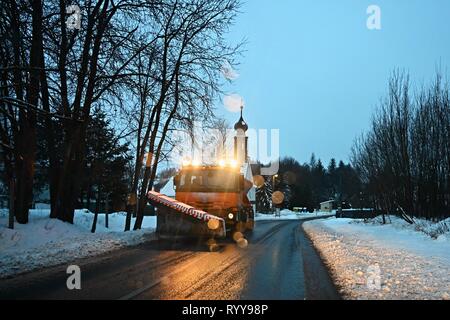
point(47, 242)
point(289, 215)
point(394, 261)
point(432, 229)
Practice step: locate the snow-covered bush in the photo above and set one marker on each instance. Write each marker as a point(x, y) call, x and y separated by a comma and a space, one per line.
point(432, 229)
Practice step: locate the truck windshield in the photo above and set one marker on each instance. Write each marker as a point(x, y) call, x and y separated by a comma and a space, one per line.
point(208, 181)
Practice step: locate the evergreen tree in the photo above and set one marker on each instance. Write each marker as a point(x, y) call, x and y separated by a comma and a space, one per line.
point(309, 184)
point(332, 180)
point(264, 196)
point(106, 169)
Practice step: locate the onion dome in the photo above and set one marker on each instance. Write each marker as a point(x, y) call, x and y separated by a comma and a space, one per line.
point(241, 124)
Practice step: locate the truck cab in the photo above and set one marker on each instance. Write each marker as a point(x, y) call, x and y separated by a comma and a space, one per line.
point(218, 190)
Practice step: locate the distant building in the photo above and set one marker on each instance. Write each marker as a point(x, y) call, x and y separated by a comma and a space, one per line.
point(248, 170)
point(241, 141)
point(327, 206)
point(242, 157)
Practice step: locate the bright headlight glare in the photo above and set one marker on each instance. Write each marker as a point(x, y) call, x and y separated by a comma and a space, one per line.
point(222, 163)
point(230, 216)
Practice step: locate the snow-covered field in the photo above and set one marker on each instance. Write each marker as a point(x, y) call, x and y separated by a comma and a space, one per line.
point(47, 242)
point(289, 215)
point(393, 261)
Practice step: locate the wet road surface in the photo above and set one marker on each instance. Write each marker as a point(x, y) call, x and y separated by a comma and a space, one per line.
point(278, 263)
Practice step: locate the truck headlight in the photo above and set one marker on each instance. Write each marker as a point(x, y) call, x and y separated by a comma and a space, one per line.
point(230, 216)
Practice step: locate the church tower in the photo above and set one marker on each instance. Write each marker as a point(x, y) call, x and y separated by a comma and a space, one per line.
point(241, 141)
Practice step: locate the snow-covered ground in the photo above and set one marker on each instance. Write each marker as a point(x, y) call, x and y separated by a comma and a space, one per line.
point(289, 215)
point(394, 261)
point(45, 242)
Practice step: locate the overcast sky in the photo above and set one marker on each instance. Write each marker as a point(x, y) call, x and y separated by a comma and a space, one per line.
point(316, 72)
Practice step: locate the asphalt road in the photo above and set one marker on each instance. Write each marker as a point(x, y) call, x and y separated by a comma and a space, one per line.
point(278, 263)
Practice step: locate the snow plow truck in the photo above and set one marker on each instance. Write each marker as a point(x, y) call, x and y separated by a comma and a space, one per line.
point(210, 201)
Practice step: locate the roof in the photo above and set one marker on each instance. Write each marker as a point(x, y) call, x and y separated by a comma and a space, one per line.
point(329, 201)
point(168, 188)
point(241, 124)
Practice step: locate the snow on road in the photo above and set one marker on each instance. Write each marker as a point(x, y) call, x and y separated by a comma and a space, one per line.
point(45, 242)
point(393, 261)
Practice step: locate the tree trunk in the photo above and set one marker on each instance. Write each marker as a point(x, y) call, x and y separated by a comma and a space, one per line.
point(27, 138)
point(97, 209)
point(25, 173)
point(70, 176)
point(150, 170)
point(11, 203)
point(107, 213)
point(132, 201)
point(50, 137)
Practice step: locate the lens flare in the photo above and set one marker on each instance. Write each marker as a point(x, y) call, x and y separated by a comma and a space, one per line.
point(213, 224)
point(258, 181)
point(237, 236)
point(233, 102)
point(242, 243)
point(278, 197)
point(233, 163)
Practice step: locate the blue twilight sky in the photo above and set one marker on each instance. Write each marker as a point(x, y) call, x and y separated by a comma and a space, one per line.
point(313, 70)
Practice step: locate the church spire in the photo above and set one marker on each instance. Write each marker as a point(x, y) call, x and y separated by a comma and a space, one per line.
point(241, 124)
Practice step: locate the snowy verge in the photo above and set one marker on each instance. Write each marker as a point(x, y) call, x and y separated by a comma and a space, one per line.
point(45, 242)
point(289, 215)
point(393, 261)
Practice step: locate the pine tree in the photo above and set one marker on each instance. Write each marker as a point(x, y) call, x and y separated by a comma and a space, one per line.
point(264, 196)
point(106, 168)
point(332, 179)
point(312, 161)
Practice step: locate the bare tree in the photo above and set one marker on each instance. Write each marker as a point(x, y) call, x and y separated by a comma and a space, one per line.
point(21, 85)
point(403, 159)
point(157, 63)
point(187, 63)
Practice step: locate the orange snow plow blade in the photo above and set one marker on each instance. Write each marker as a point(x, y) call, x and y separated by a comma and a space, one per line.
point(177, 219)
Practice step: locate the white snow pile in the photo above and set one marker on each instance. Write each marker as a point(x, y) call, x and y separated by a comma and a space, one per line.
point(369, 260)
point(289, 215)
point(435, 230)
point(45, 242)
